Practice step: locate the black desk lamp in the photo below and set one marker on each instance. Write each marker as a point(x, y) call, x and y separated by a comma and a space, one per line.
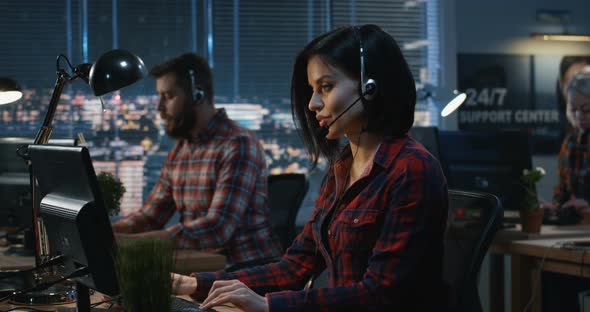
point(9, 91)
point(112, 71)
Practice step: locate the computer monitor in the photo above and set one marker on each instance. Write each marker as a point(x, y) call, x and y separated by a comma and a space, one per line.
point(15, 186)
point(75, 219)
point(491, 162)
point(15, 190)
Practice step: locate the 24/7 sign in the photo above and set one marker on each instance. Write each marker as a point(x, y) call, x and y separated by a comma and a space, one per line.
point(499, 93)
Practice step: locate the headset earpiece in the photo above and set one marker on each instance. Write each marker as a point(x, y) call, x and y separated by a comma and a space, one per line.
point(196, 93)
point(370, 87)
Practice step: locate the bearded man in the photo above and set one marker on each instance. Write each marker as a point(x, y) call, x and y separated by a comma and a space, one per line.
point(215, 176)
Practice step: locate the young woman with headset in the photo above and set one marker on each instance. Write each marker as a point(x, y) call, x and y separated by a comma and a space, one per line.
point(378, 223)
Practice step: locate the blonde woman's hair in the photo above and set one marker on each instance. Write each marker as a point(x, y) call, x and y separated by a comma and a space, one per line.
point(578, 83)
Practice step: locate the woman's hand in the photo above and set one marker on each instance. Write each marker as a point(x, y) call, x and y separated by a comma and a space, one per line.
point(121, 227)
point(238, 294)
point(578, 203)
point(549, 205)
point(183, 285)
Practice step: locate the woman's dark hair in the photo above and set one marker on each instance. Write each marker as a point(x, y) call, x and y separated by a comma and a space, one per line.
point(180, 67)
point(389, 113)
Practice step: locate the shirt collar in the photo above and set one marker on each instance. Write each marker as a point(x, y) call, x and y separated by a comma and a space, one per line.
point(384, 157)
point(216, 124)
point(388, 150)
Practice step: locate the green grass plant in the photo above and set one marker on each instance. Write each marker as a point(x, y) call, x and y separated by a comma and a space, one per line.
point(143, 271)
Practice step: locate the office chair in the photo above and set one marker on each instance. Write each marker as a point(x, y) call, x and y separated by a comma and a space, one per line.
point(285, 195)
point(427, 136)
point(472, 222)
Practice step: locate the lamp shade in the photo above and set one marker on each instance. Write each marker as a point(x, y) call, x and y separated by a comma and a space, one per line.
point(9, 91)
point(114, 70)
point(453, 104)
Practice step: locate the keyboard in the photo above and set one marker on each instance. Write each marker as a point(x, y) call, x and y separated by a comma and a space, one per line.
point(182, 305)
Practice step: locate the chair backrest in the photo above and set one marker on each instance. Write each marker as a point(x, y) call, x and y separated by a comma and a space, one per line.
point(473, 220)
point(285, 195)
point(427, 136)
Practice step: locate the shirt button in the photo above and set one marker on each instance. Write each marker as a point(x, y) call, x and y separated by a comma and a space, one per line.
point(355, 221)
point(329, 232)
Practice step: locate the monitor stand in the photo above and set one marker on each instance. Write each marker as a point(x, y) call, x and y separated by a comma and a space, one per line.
point(62, 293)
point(82, 301)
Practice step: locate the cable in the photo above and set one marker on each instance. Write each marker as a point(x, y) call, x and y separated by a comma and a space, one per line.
point(115, 298)
point(49, 262)
point(67, 60)
point(77, 273)
point(582, 264)
point(538, 275)
point(27, 309)
point(582, 276)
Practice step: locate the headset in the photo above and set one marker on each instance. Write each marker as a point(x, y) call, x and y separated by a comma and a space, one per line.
point(368, 86)
point(196, 93)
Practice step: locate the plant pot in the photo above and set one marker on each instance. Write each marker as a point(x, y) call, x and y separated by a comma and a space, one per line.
point(585, 214)
point(531, 220)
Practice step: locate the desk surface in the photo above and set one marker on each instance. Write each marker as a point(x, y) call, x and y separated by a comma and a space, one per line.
point(547, 232)
point(95, 299)
point(553, 249)
point(186, 261)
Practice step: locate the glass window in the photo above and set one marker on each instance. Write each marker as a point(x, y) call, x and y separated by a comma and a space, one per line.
point(251, 45)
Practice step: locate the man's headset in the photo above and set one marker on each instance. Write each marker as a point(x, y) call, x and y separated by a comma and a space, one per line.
point(368, 86)
point(197, 93)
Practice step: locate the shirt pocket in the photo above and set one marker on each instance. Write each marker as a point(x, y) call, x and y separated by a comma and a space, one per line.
point(359, 230)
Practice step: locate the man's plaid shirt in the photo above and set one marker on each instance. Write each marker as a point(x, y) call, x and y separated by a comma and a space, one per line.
point(218, 184)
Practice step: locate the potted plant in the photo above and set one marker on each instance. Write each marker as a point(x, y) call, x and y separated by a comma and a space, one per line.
point(531, 216)
point(112, 191)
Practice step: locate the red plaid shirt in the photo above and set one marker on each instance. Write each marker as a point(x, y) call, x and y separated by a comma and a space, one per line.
point(218, 185)
point(573, 168)
point(385, 239)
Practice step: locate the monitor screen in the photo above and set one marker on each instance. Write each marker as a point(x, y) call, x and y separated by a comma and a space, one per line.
point(76, 223)
point(490, 162)
point(16, 210)
point(15, 190)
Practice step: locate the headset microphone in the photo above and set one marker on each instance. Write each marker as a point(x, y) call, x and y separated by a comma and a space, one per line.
point(368, 86)
point(369, 89)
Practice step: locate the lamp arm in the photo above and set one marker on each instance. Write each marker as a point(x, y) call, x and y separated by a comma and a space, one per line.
point(63, 78)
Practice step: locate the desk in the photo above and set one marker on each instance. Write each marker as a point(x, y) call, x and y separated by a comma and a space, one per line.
point(511, 242)
point(186, 261)
point(506, 236)
point(526, 262)
point(189, 261)
point(97, 298)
